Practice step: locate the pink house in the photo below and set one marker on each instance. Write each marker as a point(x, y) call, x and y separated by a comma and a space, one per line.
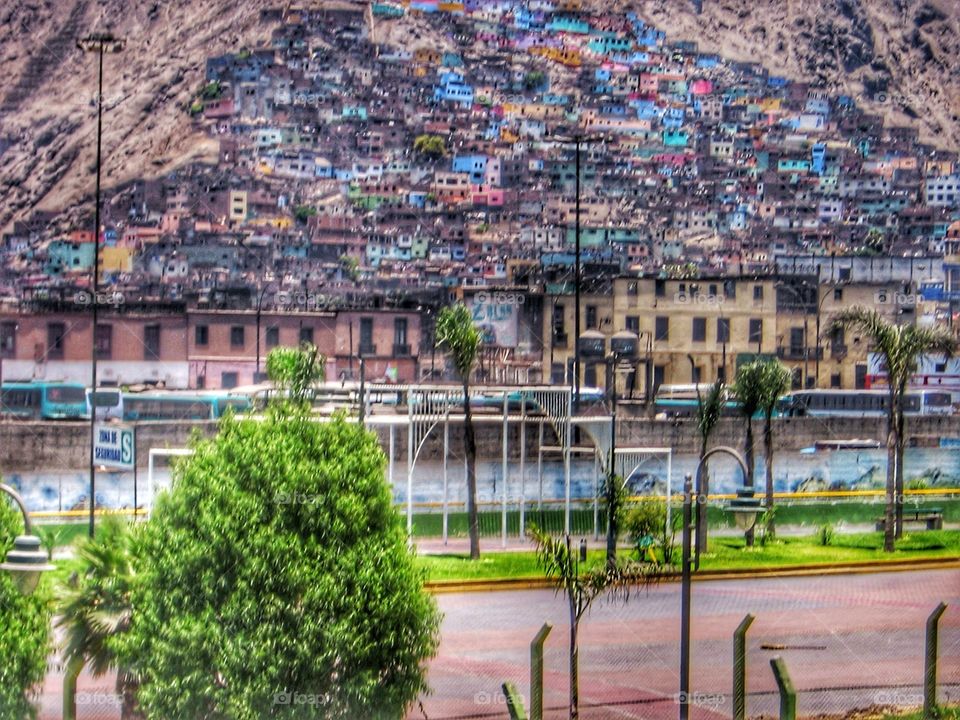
point(701, 87)
point(485, 195)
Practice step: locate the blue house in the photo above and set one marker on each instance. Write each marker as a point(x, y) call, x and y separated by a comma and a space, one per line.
point(474, 165)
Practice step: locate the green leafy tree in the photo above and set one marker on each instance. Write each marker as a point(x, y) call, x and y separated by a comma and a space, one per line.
point(302, 213)
point(709, 411)
point(24, 629)
point(533, 80)
point(431, 147)
point(295, 371)
point(94, 609)
point(774, 381)
point(274, 580)
point(901, 347)
point(461, 339)
point(582, 585)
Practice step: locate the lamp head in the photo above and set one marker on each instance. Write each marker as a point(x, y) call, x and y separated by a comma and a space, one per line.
point(25, 562)
point(745, 508)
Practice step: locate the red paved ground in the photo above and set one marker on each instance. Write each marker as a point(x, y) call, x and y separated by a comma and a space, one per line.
point(870, 628)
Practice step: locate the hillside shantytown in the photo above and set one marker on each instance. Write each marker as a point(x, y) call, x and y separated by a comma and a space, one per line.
point(366, 177)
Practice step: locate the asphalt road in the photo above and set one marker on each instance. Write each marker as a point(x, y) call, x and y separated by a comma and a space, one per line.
point(848, 641)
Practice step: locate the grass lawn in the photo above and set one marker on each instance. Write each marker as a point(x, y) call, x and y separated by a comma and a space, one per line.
point(725, 554)
point(945, 713)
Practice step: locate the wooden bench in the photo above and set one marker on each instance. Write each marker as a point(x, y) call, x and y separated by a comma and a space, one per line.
point(932, 517)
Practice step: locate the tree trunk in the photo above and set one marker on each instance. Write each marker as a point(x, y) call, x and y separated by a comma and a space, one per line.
point(898, 478)
point(70, 675)
point(701, 511)
point(574, 665)
point(770, 529)
point(748, 456)
point(470, 450)
point(888, 513)
point(127, 687)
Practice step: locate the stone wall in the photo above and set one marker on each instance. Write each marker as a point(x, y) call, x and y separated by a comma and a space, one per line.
point(31, 446)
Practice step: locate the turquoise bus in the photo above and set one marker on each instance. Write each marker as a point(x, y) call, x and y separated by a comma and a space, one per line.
point(43, 400)
point(181, 405)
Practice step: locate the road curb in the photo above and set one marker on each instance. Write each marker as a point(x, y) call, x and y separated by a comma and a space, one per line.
point(849, 568)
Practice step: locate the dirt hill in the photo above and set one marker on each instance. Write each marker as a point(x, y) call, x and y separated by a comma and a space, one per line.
point(901, 57)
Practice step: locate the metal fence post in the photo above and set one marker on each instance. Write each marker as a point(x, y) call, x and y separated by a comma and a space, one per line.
point(740, 667)
point(536, 672)
point(788, 696)
point(930, 663)
point(514, 702)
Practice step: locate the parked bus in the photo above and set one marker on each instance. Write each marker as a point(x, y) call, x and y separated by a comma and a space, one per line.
point(181, 405)
point(108, 402)
point(44, 400)
point(682, 400)
point(867, 403)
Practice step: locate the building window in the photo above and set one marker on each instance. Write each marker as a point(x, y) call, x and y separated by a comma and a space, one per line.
point(8, 339)
point(201, 334)
point(723, 330)
point(633, 324)
point(591, 321)
point(660, 288)
point(631, 288)
point(696, 374)
point(758, 292)
point(755, 330)
point(558, 326)
point(273, 336)
point(103, 341)
point(366, 336)
point(236, 336)
point(730, 289)
point(662, 328)
point(797, 335)
point(56, 335)
point(400, 346)
point(838, 294)
point(228, 380)
point(151, 342)
point(699, 329)
point(306, 335)
point(835, 380)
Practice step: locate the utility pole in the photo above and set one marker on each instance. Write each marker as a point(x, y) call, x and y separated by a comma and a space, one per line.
point(99, 43)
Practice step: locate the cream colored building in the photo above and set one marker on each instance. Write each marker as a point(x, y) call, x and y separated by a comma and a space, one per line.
point(699, 330)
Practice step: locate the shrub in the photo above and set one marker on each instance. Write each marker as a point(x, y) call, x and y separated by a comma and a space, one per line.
point(824, 535)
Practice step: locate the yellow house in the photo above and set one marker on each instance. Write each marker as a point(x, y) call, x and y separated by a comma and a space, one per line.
point(116, 259)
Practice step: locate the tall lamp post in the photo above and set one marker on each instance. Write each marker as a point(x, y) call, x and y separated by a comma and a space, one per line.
point(100, 43)
point(577, 141)
point(26, 560)
point(685, 577)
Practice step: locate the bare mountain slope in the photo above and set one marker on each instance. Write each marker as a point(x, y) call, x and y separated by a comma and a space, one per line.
point(900, 58)
point(47, 96)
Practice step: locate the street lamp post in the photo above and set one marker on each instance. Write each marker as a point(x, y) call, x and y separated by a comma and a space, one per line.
point(99, 43)
point(26, 560)
point(685, 577)
point(577, 140)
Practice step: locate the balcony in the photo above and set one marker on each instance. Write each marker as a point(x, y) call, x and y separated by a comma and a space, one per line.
point(367, 349)
point(401, 350)
point(560, 340)
point(800, 353)
point(838, 352)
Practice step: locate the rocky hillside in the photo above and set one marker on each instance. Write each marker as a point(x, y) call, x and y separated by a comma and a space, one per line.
point(47, 96)
point(900, 57)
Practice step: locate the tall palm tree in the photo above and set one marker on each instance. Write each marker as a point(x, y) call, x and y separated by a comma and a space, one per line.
point(746, 387)
point(773, 382)
point(901, 347)
point(94, 609)
point(709, 410)
point(457, 334)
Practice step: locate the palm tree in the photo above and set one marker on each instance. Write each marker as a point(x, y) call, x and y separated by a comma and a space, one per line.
point(582, 586)
point(709, 410)
point(456, 333)
point(94, 610)
point(773, 382)
point(901, 347)
point(295, 371)
point(746, 387)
